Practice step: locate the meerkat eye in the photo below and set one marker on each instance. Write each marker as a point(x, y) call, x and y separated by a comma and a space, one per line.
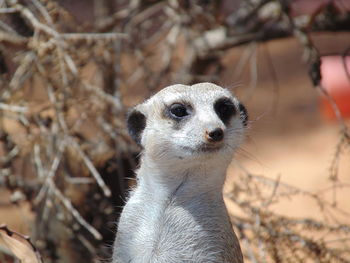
point(225, 109)
point(178, 110)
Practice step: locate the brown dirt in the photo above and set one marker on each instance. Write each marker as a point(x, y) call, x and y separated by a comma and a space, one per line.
point(293, 140)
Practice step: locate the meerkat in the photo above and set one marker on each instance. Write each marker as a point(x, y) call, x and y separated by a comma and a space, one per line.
point(176, 213)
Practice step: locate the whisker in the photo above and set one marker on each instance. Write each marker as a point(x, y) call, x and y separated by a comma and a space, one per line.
point(247, 155)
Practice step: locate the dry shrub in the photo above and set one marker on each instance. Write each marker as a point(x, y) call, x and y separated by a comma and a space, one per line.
point(64, 147)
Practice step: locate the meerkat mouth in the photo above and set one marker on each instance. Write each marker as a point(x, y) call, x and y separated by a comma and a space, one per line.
point(210, 147)
point(204, 148)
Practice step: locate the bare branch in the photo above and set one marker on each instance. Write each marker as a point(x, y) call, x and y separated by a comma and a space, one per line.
point(66, 202)
point(91, 167)
point(14, 108)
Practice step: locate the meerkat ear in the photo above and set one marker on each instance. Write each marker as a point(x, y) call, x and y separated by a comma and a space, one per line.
point(243, 114)
point(136, 123)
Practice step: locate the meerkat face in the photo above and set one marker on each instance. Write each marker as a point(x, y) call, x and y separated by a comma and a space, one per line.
point(189, 122)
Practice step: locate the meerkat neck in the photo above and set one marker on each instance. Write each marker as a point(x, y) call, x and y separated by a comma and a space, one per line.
point(195, 180)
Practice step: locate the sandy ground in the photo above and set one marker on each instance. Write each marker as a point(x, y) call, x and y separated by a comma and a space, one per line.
point(291, 139)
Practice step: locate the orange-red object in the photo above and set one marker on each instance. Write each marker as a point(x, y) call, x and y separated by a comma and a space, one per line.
point(337, 83)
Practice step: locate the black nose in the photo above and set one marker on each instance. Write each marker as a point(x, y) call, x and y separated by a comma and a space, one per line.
point(216, 135)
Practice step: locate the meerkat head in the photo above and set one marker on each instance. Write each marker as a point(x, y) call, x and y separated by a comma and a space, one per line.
point(189, 122)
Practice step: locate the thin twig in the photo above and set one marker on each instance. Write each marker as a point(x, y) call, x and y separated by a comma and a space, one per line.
point(67, 203)
point(9, 156)
point(94, 36)
point(91, 167)
point(14, 108)
point(51, 173)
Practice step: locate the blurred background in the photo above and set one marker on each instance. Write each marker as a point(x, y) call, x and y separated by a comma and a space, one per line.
point(70, 70)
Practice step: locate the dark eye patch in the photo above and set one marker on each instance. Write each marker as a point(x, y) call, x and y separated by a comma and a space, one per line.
point(178, 111)
point(225, 109)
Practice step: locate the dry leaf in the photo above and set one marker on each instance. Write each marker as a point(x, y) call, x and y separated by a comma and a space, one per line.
point(19, 245)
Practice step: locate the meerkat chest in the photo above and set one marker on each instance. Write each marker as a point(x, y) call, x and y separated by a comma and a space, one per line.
point(177, 228)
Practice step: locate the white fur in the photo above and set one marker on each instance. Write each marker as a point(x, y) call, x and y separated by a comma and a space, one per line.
point(176, 213)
